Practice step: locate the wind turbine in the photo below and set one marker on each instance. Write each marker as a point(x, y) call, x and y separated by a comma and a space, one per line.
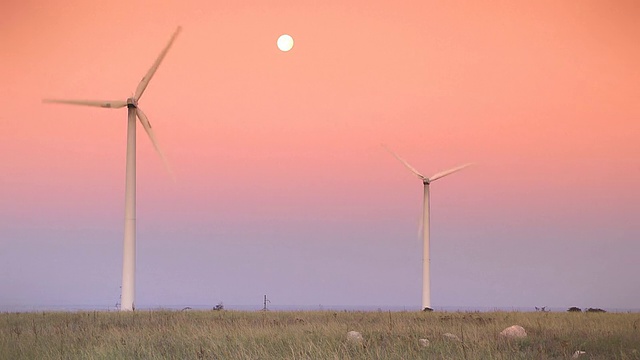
point(426, 276)
point(127, 301)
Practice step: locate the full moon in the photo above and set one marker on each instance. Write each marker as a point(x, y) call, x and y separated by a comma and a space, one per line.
point(285, 42)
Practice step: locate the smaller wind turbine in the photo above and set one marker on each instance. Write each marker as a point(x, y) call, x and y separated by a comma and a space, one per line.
point(426, 276)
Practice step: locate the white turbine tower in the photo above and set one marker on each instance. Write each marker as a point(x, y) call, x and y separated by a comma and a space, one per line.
point(426, 260)
point(127, 301)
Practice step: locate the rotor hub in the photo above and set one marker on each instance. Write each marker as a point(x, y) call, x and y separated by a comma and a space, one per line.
point(132, 103)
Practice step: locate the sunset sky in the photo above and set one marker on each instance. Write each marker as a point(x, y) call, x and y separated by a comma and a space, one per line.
point(282, 186)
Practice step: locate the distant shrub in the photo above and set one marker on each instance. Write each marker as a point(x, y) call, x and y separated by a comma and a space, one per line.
point(598, 310)
point(574, 309)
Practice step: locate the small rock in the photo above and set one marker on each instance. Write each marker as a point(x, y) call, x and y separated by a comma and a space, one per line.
point(423, 342)
point(354, 337)
point(514, 332)
point(450, 336)
point(577, 354)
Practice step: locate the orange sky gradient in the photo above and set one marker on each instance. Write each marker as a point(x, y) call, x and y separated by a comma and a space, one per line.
point(280, 176)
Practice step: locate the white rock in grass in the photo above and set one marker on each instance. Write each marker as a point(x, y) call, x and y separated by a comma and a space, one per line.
point(577, 354)
point(354, 337)
point(423, 342)
point(450, 336)
point(514, 332)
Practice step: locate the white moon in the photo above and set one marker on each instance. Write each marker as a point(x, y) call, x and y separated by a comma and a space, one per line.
point(285, 42)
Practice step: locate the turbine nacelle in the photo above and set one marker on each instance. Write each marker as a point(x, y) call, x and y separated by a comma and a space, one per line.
point(132, 103)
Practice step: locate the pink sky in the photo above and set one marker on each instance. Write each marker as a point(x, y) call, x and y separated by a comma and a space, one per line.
point(282, 185)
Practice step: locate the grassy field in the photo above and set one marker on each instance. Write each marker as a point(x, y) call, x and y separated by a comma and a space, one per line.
point(314, 335)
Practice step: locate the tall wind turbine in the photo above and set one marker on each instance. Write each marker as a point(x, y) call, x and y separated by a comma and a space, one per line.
point(127, 300)
point(426, 260)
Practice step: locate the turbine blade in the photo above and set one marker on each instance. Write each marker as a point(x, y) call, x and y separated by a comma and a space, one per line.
point(98, 103)
point(145, 80)
point(448, 172)
point(144, 120)
point(405, 163)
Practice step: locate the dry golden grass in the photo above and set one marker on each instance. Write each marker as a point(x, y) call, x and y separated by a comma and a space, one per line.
point(314, 335)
